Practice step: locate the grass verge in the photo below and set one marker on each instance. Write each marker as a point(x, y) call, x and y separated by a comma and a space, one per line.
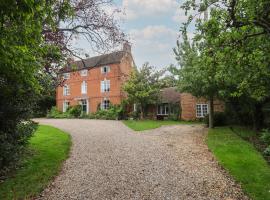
point(242, 160)
point(141, 125)
point(49, 147)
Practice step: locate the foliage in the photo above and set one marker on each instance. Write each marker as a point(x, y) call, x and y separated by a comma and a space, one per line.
point(175, 112)
point(43, 105)
point(12, 145)
point(47, 149)
point(220, 119)
point(74, 111)
point(115, 112)
point(265, 136)
point(55, 113)
point(134, 114)
point(35, 38)
point(143, 87)
point(141, 125)
point(244, 163)
point(267, 151)
point(228, 56)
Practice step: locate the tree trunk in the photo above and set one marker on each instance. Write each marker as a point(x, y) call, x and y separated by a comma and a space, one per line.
point(141, 112)
point(211, 112)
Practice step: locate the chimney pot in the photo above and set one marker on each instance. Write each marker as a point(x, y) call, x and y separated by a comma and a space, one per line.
point(127, 47)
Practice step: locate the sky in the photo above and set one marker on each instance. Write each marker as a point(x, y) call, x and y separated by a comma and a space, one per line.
point(152, 27)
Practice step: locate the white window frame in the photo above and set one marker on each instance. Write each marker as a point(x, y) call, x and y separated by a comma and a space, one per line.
point(202, 110)
point(84, 72)
point(66, 76)
point(84, 102)
point(105, 86)
point(66, 90)
point(84, 87)
point(105, 104)
point(163, 109)
point(105, 69)
point(65, 106)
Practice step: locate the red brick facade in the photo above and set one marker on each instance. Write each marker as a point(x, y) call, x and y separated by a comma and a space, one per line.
point(189, 106)
point(117, 74)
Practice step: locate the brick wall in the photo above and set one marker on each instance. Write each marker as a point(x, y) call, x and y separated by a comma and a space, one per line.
point(189, 102)
point(118, 72)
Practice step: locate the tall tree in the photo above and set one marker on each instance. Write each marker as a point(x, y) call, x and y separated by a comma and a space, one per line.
point(35, 38)
point(233, 44)
point(143, 87)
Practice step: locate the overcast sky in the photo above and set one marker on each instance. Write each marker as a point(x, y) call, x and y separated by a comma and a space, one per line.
point(152, 27)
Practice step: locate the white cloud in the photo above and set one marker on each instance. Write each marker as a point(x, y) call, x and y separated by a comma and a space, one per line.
point(137, 8)
point(154, 44)
point(179, 16)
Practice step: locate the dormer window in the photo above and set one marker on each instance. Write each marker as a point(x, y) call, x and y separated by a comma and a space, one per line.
point(66, 76)
point(105, 69)
point(83, 72)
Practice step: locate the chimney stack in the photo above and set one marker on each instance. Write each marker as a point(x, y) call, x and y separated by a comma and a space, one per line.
point(127, 47)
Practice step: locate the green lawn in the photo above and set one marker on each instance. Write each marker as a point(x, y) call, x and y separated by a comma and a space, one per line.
point(141, 125)
point(242, 160)
point(49, 147)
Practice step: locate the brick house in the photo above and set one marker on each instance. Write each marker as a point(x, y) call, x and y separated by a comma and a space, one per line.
point(195, 108)
point(184, 104)
point(96, 83)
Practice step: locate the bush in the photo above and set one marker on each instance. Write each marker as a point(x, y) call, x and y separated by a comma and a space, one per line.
point(12, 144)
point(115, 112)
point(267, 151)
point(220, 119)
point(75, 111)
point(266, 136)
point(134, 115)
point(55, 113)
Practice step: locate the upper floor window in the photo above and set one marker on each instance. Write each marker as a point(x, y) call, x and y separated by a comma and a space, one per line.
point(105, 69)
point(201, 110)
point(66, 75)
point(66, 90)
point(84, 87)
point(105, 104)
point(105, 86)
point(83, 72)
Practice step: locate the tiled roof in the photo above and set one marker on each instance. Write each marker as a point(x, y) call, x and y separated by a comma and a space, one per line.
point(111, 58)
point(170, 95)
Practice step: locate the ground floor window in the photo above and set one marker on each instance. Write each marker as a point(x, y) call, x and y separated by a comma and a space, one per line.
point(105, 104)
point(84, 105)
point(65, 106)
point(201, 110)
point(163, 109)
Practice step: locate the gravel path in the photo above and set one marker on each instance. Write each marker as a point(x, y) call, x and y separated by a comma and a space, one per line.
point(110, 161)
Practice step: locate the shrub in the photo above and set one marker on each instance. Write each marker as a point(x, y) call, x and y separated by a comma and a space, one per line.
point(12, 144)
point(55, 113)
point(115, 112)
point(220, 119)
point(266, 136)
point(134, 114)
point(75, 111)
point(267, 151)
point(173, 116)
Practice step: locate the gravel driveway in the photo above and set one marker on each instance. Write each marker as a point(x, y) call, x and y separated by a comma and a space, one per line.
point(110, 161)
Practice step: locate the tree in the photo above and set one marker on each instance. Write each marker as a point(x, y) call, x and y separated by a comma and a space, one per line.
point(35, 39)
point(143, 87)
point(233, 45)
